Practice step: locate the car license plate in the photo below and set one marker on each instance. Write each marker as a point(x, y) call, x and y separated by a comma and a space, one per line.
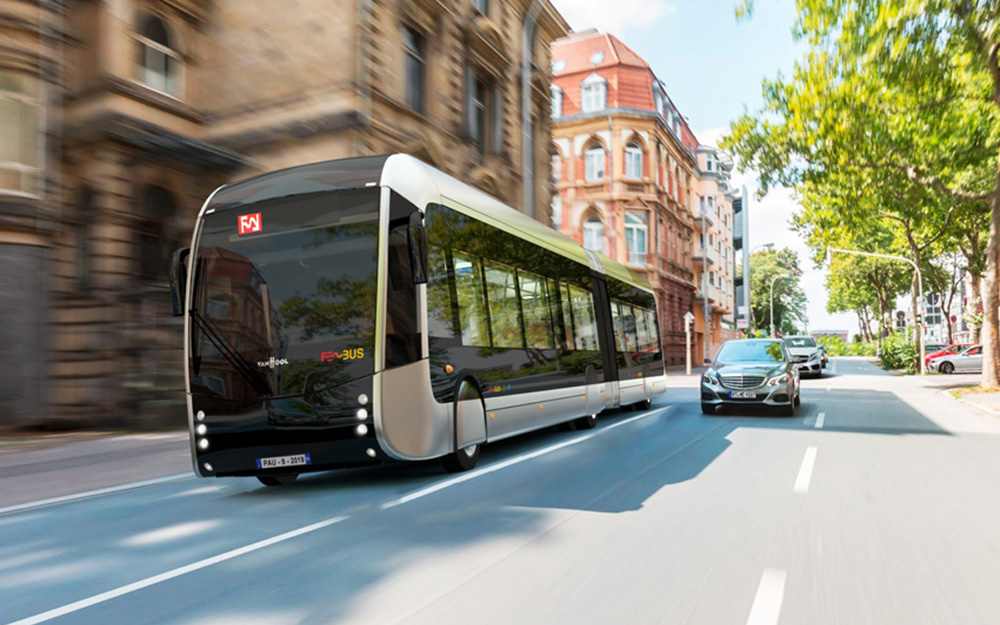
point(742, 395)
point(283, 461)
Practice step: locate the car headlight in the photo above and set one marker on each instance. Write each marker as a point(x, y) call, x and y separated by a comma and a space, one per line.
point(710, 378)
point(776, 380)
point(814, 356)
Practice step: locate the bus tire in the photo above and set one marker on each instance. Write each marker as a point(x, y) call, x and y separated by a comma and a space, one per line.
point(277, 480)
point(461, 460)
point(588, 422)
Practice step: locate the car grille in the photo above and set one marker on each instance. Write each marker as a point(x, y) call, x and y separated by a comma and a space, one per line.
point(738, 380)
point(800, 358)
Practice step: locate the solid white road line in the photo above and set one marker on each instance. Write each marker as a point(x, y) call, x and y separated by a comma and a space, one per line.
point(767, 604)
point(805, 471)
point(833, 367)
point(95, 493)
point(162, 577)
point(820, 418)
point(423, 492)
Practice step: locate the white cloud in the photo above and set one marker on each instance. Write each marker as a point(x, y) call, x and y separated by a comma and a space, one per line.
point(613, 16)
point(770, 220)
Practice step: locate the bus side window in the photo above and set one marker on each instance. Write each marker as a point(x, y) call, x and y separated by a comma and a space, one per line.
point(402, 339)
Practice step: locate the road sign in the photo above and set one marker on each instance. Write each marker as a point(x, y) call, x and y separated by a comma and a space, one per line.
point(954, 318)
point(742, 323)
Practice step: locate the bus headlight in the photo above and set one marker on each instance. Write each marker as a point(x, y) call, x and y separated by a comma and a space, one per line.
point(203, 444)
point(202, 429)
point(201, 415)
point(362, 399)
point(362, 414)
point(361, 430)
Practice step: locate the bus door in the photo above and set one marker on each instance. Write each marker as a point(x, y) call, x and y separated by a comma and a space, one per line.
point(606, 337)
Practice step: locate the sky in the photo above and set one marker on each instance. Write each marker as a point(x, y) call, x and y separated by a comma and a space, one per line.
point(713, 67)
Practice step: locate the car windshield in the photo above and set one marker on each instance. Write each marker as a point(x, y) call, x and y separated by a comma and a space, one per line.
point(800, 341)
point(750, 351)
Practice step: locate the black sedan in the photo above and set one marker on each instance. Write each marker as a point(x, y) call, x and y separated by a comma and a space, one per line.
point(757, 372)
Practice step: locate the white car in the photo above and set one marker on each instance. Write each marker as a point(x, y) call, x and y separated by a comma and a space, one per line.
point(969, 360)
point(806, 355)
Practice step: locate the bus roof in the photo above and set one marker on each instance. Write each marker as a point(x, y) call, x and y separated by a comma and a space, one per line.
point(400, 172)
point(399, 169)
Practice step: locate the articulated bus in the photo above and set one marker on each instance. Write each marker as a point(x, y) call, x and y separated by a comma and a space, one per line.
point(374, 309)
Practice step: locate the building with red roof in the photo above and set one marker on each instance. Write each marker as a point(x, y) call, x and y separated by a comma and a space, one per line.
point(626, 176)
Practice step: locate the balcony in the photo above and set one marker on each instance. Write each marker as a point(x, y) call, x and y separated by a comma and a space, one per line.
point(704, 255)
point(637, 259)
point(704, 218)
point(702, 290)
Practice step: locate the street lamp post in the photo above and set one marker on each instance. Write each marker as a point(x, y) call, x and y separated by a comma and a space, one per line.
point(918, 316)
point(778, 277)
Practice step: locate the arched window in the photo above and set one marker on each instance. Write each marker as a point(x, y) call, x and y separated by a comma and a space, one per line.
point(557, 102)
point(633, 161)
point(556, 164)
point(593, 234)
point(593, 93)
point(556, 211)
point(159, 61)
point(593, 162)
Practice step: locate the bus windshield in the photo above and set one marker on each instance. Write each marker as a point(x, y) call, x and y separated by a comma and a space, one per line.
point(292, 298)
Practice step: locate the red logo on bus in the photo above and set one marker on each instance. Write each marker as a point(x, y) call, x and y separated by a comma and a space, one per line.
point(249, 223)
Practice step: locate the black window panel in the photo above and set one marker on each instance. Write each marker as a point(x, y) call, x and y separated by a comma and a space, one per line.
point(415, 46)
point(302, 291)
point(489, 292)
point(402, 338)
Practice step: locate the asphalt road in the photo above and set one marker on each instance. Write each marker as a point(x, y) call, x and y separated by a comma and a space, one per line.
point(879, 503)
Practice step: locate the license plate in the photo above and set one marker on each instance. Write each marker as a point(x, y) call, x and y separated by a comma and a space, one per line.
point(742, 395)
point(283, 461)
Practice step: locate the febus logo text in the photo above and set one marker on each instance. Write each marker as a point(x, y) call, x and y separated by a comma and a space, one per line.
point(249, 223)
point(272, 362)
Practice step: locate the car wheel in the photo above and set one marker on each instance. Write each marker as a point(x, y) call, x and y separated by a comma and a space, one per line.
point(798, 399)
point(947, 367)
point(707, 409)
point(787, 410)
point(277, 480)
point(461, 460)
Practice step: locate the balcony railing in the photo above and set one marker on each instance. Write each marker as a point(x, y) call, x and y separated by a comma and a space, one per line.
point(637, 258)
point(705, 255)
point(706, 289)
point(704, 216)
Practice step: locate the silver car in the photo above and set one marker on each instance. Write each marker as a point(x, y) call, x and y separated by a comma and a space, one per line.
point(754, 372)
point(969, 360)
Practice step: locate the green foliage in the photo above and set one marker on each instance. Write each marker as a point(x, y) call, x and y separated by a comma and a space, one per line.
point(898, 352)
point(789, 298)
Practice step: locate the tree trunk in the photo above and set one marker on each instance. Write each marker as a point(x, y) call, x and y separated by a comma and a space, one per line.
point(975, 303)
point(989, 338)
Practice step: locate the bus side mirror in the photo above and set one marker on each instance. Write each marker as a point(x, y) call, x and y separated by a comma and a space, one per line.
point(417, 235)
point(178, 280)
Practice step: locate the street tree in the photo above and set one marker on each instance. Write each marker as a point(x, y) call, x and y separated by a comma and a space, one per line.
point(898, 100)
point(789, 299)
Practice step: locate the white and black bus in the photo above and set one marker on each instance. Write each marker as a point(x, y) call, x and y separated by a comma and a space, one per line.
point(374, 309)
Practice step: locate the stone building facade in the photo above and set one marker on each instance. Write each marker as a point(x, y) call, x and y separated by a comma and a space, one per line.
point(626, 171)
point(130, 112)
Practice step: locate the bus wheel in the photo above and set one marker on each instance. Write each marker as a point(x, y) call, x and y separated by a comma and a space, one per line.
point(645, 404)
point(277, 480)
point(461, 460)
point(585, 423)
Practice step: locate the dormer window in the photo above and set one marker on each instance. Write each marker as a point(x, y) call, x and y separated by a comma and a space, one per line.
point(597, 58)
point(159, 61)
point(593, 93)
point(709, 164)
point(557, 102)
point(558, 66)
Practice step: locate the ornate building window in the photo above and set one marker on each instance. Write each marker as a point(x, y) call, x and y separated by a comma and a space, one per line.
point(633, 161)
point(556, 211)
point(637, 236)
point(556, 164)
point(484, 111)
point(593, 234)
point(19, 133)
point(415, 46)
point(159, 62)
point(557, 102)
point(593, 94)
point(593, 163)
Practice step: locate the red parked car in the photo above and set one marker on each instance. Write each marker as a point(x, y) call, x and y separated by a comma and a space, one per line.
point(947, 351)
